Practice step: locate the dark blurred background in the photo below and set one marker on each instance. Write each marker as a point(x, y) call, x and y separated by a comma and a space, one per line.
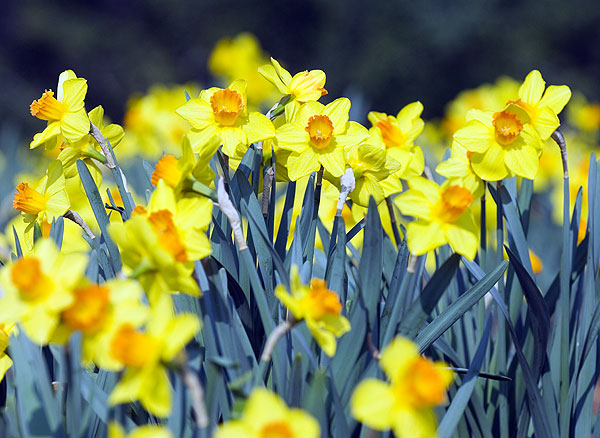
point(390, 52)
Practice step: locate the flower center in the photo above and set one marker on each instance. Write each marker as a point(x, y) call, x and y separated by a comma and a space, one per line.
point(424, 385)
point(392, 135)
point(507, 126)
point(166, 169)
point(453, 203)
point(320, 130)
point(133, 348)
point(162, 224)
point(47, 107)
point(27, 276)
point(276, 429)
point(320, 301)
point(226, 105)
point(89, 309)
point(29, 200)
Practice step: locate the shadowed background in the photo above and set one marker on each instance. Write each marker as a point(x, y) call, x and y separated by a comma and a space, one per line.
point(389, 52)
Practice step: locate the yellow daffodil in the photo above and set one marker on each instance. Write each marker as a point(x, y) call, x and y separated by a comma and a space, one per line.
point(317, 135)
point(145, 354)
point(97, 311)
point(5, 361)
point(161, 242)
point(240, 58)
point(397, 135)
point(65, 113)
point(501, 145)
point(319, 307)
point(443, 216)
point(266, 415)
point(303, 87)
point(115, 430)
point(38, 287)
point(405, 404)
point(542, 107)
point(152, 126)
point(220, 116)
point(46, 201)
point(457, 168)
point(87, 148)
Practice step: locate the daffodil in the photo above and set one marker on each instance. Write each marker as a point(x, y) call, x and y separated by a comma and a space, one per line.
point(145, 354)
point(160, 243)
point(5, 360)
point(542, 106)
point(220, 116)
point(303, 87)
point(38, 287)
point(502, 145)
point(443, 216)
point(87, 148)
point(47, 200)
point(97, 311)
point(319, 307)
point(316, 136)
point(405, 404)
point(266, 415)
point(115, 430)
point(65, 113)
point(397, 135)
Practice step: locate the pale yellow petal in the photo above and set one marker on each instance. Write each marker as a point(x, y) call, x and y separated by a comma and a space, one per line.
point(423, 236)
point(372, 403)
point(532, 88)
point(337, 111)
point(556, 97)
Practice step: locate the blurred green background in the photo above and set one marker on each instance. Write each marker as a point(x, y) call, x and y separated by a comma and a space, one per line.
point(382, 53)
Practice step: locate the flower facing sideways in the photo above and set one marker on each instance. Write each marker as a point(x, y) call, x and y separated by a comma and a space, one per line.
point(266, 415)
point(319, 307)
point(65, 113)
point(405, 404)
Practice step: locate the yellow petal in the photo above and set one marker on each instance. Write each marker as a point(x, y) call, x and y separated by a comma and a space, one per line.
point(334, 162)
point(155, 392)
point(179, 332)
point(233, 429)
point(490, 165)
point(397, 356)
point(52, 130)
point(74, 126)
point(292, 137)
point(205, 141)
point(545, 123)
point(414, 203)
point(463, 239)
point(411, 423)
point(258, 127)
point(5, 364)
point(197, 112)
point(422, 236)
point(522, 161)
point(324, 338)
point(372, 403)
point(556, 97)
point(74, 94)
point(474, 136)
point(532, 88)
point(355, 134)
point(338, 111)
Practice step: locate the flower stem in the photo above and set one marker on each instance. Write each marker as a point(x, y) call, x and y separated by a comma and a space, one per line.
point(275, 336)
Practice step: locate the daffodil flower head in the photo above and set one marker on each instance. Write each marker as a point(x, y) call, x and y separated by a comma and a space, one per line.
point(220, 116)
point(38, 287)
point(65, 113)
point(404, 404)
point(442, 216)
point(266, 415)
point(145, 353)
point(316, 136)
point(542, 104)
point(457, 169)
point(303, 87)
point(501, 144)
point(318, 306)
point(397, 135)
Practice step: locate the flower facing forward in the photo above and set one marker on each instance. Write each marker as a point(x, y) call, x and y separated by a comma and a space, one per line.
point(220, 116)
point(319, 307)
point(443, 216)
point(405, 404)
point(145, 354)
point(303, 87)
point(65, 113)
point(38, 287)
point(502, 144)
point(266, 415)
point(316, 136)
